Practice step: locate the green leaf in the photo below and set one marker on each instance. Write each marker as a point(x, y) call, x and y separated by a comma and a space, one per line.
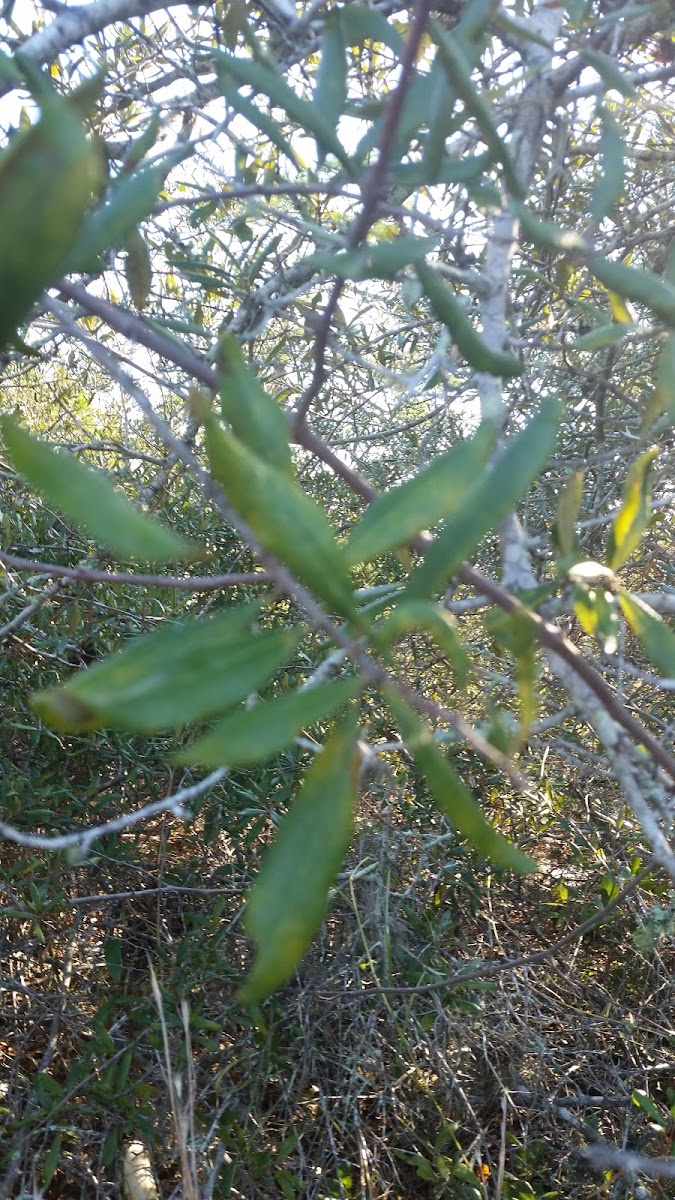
point(656, 638)
point(381, 260)
point(270, 83)
point(467, 169)
point(363, 24)
point(633, 516)
point(567, 514)
point(454, 60)
point(453, 315)
point(132, 199)
point(9, 71)
point(611, 74)
point(47, 174)
point(283, 518)
point(112, 950)
point(441, 119)
point(330, 93)
point(432, 619)
point(609, 185)
point(257, 734)
point(518, 634)
point(663, 399)
point(256, 419)
point(602, 336)
point(639, 285)
point(186, 672)
point(90, 501)
point(547, 235)
point(396, 516)
point(141, 145)
point(452, 797)
point(256, 116)
point(490, 500)
point(596, 612)
point(52, 1159)
point(656, 1114)
point(290, 897)
point(138, 269)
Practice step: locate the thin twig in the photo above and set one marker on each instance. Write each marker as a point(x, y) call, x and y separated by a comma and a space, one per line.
point(195, 583)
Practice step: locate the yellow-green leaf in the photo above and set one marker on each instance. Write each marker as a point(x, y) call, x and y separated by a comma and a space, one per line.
point(283, 518)
point(452, 797)
point(290, 897)
point(435, 493)
point(567, 513)
point(656, 638)
point(90, 501)
point(254, 735)
point(138, 269)
point(631, 519)
point(186, 672)
point(596, 612)
point(47, 174)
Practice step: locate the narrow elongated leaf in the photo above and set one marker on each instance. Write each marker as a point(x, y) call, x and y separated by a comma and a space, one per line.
point(141, 145)
point(138, 269)
point(602, 336)
point(271, 84)
point(257, 734)
point(256, 419)
point(373, 261)
point(363, 24)
point(656, 638)
point(608, 187)
point(184, 673)
point(257, 117)
point(453, 314)
point(455, 62)
point(639, 285)
point(290, 897)
point(517, 633)
point(396, 516)
point(90, 501)
point(284, 519)
point(466, 168)
point(451, 795)
point(47, 175)
point(330, 94)
point(491, 499)
point(663, 398)
point(547, 234)
point(567, 514)
point(131, 201)
point(441, 120)
point(429, 618)
point(631, 519)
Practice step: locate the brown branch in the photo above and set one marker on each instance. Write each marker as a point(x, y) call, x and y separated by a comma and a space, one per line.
point(372, 189)
point(198, 583)
point(135, 329)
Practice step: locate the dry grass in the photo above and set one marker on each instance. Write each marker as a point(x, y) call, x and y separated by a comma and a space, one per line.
point(335, 1089)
